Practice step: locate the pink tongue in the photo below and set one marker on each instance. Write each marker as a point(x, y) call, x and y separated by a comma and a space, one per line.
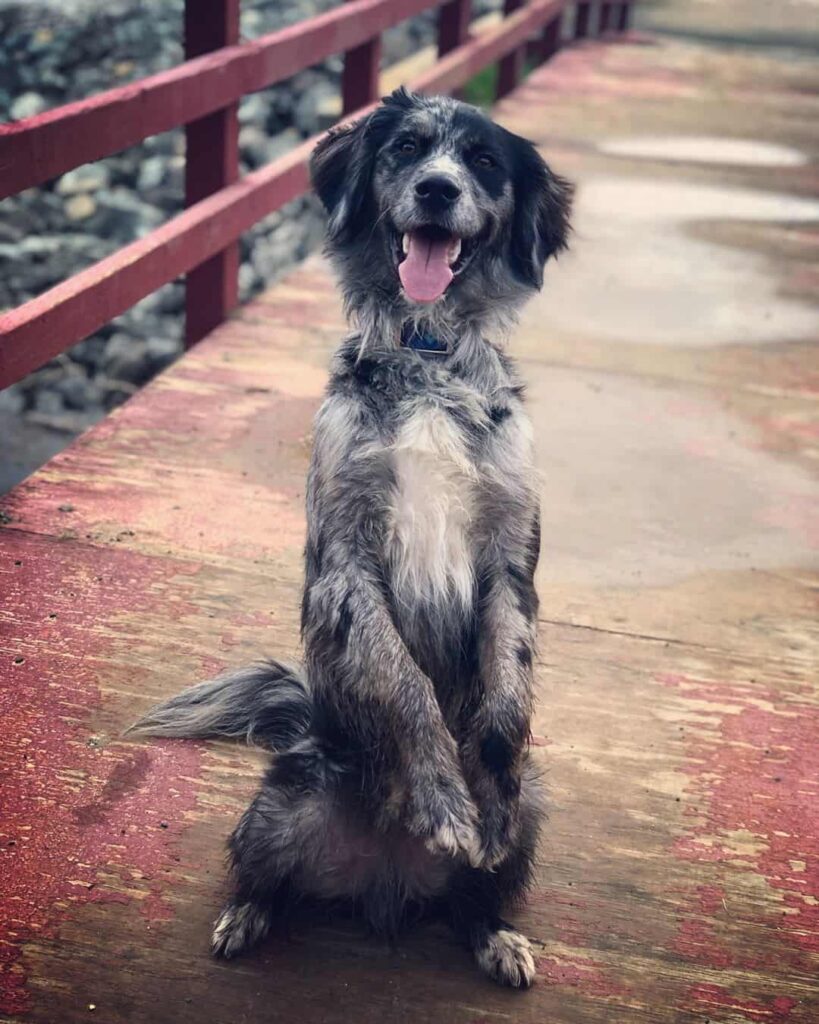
point(425, 272)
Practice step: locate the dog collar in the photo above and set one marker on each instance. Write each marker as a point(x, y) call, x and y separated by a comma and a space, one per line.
point(426, 344)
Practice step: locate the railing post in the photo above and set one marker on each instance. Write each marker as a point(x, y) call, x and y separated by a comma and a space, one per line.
point(606, 18)
point(624, 19)
point(453, 25)
point(211, 163)
point(552, 38)
point(360, 78)
point(510, 68)
point(582, 17)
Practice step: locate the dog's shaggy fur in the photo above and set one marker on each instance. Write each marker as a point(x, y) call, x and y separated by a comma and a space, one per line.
point(400, 777)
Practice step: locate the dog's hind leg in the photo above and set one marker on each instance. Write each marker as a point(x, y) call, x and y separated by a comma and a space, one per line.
point(477, 897)
point(240, 926)
point(277, 836)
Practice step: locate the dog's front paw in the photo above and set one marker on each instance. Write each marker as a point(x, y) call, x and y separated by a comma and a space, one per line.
point(443, 814)
point(498, 833)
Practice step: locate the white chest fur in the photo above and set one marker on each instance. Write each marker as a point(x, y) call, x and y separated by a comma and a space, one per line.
point(433, 504)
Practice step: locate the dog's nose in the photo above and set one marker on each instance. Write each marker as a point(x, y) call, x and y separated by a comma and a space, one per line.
point(437, 191)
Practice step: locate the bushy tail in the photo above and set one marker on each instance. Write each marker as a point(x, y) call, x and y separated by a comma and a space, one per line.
point(268, 705)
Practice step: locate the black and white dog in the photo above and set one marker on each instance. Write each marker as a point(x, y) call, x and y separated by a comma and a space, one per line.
point(400, 778)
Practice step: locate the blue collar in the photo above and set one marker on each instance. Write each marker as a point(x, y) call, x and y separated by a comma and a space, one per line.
point(426, 344)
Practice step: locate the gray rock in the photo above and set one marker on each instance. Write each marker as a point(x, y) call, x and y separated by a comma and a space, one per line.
point(126, 359)
point(12, 400)
point(316, 108)
point(88, 178)
point(162, 352)
point(89, 353)
point(28, 105)
point(254, 145)
point(79, 392)
point(123, 215)
point(254, 109)
point(249, 282)
point(48, 402)
point(152, 173)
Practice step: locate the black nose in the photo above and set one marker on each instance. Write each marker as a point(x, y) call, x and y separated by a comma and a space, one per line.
point(437, 191)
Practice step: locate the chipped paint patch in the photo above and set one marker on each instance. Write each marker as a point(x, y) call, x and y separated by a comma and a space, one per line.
point(719, 1000)
point(85, 820)
point(753, 790)
point(579, 972)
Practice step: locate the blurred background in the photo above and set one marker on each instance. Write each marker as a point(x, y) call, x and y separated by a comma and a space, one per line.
point(56, 51)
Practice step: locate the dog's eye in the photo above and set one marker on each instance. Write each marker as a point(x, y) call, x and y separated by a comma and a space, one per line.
point(406, 146)
point(484, 160)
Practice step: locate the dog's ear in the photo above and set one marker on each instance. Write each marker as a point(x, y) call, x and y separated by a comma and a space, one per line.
point(341, 169)
point(540, 223)
point(341, 165)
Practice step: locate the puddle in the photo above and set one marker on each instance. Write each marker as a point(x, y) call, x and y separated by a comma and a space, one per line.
point(704, 149)
point(636, 274)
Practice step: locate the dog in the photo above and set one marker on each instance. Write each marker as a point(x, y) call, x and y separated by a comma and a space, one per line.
point(400, 779)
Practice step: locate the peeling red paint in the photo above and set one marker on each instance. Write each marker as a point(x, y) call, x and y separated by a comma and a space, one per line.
point(78, 809)
point(579, 972)
point(753, 766)
point(716, 998)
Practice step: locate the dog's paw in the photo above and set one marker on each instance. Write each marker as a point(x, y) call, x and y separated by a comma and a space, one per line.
point(506, 957)
point(238, 927)
point(456, 839)
point(442, 813)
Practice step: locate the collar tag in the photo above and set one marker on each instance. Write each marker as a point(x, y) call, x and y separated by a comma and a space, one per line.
point(426, 344)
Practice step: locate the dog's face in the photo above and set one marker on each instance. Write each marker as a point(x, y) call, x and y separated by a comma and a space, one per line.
point(430, 202)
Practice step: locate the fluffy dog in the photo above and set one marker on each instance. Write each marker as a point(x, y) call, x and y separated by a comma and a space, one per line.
point(401, 778)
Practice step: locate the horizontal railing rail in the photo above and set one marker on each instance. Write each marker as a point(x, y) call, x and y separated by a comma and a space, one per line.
point(203, 94)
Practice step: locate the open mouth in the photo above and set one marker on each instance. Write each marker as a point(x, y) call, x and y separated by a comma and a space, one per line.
point(428, 259)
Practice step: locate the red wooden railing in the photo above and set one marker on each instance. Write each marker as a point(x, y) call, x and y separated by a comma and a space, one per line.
point(203, 94)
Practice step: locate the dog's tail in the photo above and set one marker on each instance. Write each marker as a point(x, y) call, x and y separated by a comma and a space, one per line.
point(268, 705)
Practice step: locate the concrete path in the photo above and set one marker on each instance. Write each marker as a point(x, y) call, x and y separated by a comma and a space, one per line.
point(673, 381)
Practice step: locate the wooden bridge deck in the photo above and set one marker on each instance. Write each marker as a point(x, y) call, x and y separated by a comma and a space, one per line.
point(674, 379)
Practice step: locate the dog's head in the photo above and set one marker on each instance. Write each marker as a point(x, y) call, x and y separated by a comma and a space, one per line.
point(431, 202)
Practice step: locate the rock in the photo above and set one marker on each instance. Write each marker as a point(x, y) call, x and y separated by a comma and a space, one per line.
point(162, 352)
point(28, 105)
point(171, 298)
point(126, 359)
point(79, 392)
point(12, 400)
point(80, 207)
point(89, 353)
point(152, 173)
point(88, 178)
point(249, 282)
point(254, 146)
point(310, 112)
point(124, 216)
point(272, 254)
point(49, 403)
point(254, 109)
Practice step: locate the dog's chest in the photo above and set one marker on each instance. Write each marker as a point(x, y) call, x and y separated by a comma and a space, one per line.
point(432, 506)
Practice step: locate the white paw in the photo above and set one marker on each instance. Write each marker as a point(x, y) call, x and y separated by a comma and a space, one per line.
point(237, 928)
point(456, 840)
point(507, 958)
